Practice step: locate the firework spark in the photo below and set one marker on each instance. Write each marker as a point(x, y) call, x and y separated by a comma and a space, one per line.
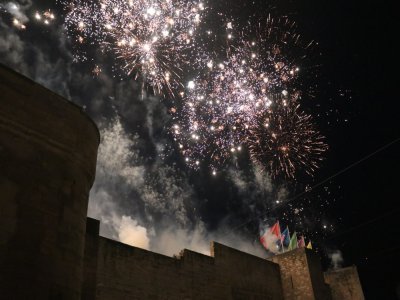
point(152, 38)
point(18, 24)
point(221, 111)
point(285, 140)
point(47, 17)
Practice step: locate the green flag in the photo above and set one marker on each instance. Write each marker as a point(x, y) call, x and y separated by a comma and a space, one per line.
point(293, 242)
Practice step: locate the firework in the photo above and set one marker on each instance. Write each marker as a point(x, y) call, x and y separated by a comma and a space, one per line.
point(152, 39)
point(19, 19)
point(46, 17)
point(218, 110)
point(18, 24)
point(285, 140)
point(221, 111)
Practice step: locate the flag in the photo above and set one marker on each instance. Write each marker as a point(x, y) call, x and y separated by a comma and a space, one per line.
point(276, 230)
point(265, 239)
point(293, 242)
point(309, 246)
point(301, 242)
point(285, 237)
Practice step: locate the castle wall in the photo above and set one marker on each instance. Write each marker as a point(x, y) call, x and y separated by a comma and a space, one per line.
point(89, 283)
point(125, 272)
point(48, 153)
point(244, 276)
point(345, 284)
point(301, 275)
point(320, 287)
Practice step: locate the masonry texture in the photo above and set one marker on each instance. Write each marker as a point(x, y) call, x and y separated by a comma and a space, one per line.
point(50, 250)
point(345, 284)
point(125, 272)
point(302, 276)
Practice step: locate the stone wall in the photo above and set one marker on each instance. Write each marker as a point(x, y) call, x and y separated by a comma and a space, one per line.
point(125, 272)
point(345, 284)
point(48, 149)
point(301, 275)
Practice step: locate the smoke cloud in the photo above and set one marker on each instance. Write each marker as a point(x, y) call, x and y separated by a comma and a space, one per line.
point(336, 259)
point(129, 232)
point(17, 10)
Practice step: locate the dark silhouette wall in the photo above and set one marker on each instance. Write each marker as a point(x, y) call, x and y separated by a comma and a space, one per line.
point(48, 150)
point(125, 272)
point(345, 284)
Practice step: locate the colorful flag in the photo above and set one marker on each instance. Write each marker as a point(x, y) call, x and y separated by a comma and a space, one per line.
point(293, 242)
point(263, 240)
point(302, 242)
point(267, 237)
point(309, 246)
point(276, 229)
point(285, 237)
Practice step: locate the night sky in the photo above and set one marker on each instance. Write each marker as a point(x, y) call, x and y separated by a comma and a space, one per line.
point(142, 182)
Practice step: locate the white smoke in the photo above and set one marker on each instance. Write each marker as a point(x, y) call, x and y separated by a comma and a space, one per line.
point(238, 180)
point(117, 157)
point(158, 191)
point(18, 9)
point(131, 233)
point(171, 241)
point(336, 259)
point(163, 201)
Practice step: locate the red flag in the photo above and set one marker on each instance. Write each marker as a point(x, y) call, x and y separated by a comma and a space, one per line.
point(263, 241)
point(276, 230)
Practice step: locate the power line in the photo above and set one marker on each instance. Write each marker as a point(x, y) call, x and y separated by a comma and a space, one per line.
point(341, 171)
point(329, 178)
point(363, 224)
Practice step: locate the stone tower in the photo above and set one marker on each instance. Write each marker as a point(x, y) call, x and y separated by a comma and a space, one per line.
point(48, 150)
point(344, 283)
point(302, 276)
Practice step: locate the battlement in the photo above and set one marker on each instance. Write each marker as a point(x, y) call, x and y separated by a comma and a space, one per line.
point(123, 270)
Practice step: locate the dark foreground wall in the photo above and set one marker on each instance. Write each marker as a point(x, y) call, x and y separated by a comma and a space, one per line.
point(345, 284)
point(48, 149)
point(125, 272)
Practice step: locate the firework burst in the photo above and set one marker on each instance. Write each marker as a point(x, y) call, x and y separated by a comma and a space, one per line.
point(219, 109)
point(151, 39)
point(222, 108)
point(285, 140)
point(47, 17)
